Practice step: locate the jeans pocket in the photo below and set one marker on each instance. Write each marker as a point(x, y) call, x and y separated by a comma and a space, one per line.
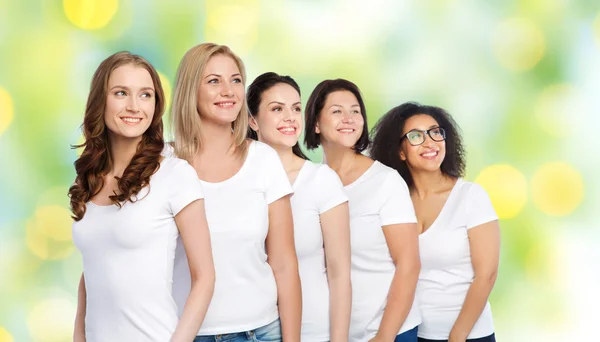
point(269, 333)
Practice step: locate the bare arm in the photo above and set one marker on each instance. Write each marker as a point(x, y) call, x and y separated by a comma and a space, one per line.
point(335, 224)
point(403, 242)
point(282, 258)
point(79, 331)
point(193, 229)
point(484, 242)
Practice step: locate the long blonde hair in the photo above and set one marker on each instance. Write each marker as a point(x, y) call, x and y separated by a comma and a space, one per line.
point(186, 120)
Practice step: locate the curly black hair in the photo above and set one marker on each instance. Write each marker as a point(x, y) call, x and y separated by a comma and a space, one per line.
point(389, 130)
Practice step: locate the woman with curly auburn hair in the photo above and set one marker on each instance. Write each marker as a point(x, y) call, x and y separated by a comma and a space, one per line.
point(129, 205)
point(319, 208)
point(383, 230)
point(459, 240)
point(247, 194)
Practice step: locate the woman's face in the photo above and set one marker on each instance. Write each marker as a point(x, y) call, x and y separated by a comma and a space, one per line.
point(130, 102)
point(423, 146)
point(221, 92)
point(340, 121)
point(278, 122)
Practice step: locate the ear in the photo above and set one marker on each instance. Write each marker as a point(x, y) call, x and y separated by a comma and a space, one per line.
point(252, 123)
point(402, 155)
point(317, 129)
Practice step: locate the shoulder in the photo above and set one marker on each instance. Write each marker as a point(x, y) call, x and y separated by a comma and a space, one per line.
point(472, 190)
point(175, 167)
point(324, 172)
point(388, 176)
point(168, 150)
point(262, 153)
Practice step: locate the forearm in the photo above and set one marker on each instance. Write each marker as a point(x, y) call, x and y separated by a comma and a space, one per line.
point(195, 309)
point(79, 327)
point(473, 306)
point(340, 302)
point(289, 301)
point(399, 302)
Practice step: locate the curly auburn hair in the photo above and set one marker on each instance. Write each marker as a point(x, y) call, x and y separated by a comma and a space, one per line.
point(96, 160)
point(389, 130)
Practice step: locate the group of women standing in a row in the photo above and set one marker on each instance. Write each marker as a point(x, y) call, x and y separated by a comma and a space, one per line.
point(231, 234)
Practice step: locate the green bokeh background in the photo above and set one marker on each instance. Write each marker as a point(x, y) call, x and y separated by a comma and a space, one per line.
point(520, 77)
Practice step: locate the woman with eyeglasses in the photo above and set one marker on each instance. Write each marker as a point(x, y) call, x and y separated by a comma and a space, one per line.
point(459, 240)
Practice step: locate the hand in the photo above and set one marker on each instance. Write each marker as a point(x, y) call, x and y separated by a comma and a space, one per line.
point(457, 337)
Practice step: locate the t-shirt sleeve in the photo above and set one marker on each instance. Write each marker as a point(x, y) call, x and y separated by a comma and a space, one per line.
point(479, 208)
point(185, 187)
point(397, 207)
point(277, 183)
point(330, 189)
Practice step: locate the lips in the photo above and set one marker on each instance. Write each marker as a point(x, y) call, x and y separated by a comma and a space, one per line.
point(128, 120)
point(287, 130)
point(225, 104)
point(346, 130)
point(430, 154)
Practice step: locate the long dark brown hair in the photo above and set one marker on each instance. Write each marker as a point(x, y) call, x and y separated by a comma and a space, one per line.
point(96, 160)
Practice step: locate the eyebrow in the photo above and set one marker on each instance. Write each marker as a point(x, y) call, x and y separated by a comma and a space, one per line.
point(282, 104)
point(127, 88)
point(337, 105)
point(217, 75)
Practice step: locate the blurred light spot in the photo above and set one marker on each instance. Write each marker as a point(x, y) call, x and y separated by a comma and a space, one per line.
point(48, 232)
point(518, 44)
point(242, 35)
point(596, 28)
point(5, 336)
point(557, 109)
point(90, 14)
point(6, 110)
point(166, 85)
point(557, 188)
point(52, 320)
point(506, 187)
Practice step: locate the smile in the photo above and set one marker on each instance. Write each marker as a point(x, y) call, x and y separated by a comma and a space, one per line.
point(346, 130)
point(131, 121)
point(225, 104)
point(430, 155)
point(287, 130)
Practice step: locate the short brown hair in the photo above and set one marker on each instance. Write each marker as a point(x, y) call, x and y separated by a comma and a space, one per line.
point(315, 104)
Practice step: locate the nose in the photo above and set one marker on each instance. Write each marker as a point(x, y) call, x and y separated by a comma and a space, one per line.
point(132, 105)
point(226, 90)
point(347, 117)
point(288, 116)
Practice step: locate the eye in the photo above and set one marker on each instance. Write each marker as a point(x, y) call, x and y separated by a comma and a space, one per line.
point(120, 93)
point(237, 80)
point(147, 95)
point(355, 111)
point(277, 109)
point(213, 81)
point(297, 109)
point(337, 111)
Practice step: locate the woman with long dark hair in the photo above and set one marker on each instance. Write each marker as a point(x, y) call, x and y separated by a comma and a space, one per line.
point(129, 205)
point(319, 208)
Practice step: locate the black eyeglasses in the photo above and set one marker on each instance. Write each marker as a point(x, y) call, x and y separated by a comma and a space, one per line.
point(416, 136)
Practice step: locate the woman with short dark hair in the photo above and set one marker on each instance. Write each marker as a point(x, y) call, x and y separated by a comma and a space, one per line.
point(383, 232)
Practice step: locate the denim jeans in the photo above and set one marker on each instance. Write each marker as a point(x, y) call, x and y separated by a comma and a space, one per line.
point(407, 336)
point(268, 333)
point(491, 338)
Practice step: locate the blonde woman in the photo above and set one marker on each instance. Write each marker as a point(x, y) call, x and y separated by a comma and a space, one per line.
point(247, 195)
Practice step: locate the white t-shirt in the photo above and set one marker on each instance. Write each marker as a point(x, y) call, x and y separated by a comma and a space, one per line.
point(317, 189)
point(237, 211)
point(128, 257)
point(378, 198)
point(446, 269)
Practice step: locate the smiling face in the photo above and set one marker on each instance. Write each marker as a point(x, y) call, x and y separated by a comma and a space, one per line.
point(427, 156)
point(130, 102)
point(279, 118)
point(340, 121)
point(221, 92)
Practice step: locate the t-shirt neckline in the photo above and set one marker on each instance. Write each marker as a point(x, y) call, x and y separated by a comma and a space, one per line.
point(249, 155)
point(443, 210)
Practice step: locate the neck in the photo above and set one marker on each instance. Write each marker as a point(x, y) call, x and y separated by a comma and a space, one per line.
point(339, 158)
point(122, 151)
point(426, 183)
point(287, 157)
point(216, 138)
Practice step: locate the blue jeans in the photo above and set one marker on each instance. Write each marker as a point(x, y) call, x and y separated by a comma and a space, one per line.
point(407, 336)
point(491, 338)
point(268, 333)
